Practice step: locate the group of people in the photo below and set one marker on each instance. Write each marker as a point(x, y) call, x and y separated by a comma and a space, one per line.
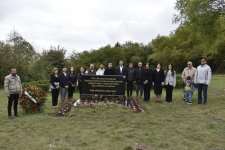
point(63, 83)
point(143, 77)
point(201, 77)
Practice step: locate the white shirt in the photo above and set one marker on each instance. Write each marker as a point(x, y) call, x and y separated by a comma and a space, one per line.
point(121, 69)
point(100, 72)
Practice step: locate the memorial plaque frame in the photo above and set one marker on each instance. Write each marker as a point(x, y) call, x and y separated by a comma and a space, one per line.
point(104, 88)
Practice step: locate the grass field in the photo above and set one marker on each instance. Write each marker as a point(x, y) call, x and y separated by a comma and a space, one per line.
point(175, 126)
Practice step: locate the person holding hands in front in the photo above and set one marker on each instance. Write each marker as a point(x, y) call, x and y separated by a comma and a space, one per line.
point(158, 81)
point(64, 84)
point(147, 81)
point(54, 80)
point(170, 82)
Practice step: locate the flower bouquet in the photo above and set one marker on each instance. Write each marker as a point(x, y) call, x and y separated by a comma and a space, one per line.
point(135, 106)
point(65, 107)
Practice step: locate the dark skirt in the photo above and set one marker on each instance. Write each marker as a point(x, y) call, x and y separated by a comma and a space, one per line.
point(158, 88)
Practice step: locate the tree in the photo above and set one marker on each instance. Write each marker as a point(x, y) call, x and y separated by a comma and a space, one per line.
point(49, 59)
point(200, 34)
point(18, 53)
point(128, 52)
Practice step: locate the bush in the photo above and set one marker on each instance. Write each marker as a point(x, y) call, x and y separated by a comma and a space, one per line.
point(180, 82)
point(44, 84)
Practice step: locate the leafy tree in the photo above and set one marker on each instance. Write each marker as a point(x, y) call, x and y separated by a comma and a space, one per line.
point(47, 60)
point(200, 34)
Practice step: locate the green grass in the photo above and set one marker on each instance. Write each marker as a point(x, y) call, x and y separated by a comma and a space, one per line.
point(175, 126)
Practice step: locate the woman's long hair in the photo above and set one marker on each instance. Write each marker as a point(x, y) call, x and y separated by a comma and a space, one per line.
point(172, 70)
point(53, 71)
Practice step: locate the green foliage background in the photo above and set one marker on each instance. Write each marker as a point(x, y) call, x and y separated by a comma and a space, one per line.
point(201, 33)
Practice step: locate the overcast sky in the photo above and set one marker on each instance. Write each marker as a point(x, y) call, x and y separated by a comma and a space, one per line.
point(86, 24)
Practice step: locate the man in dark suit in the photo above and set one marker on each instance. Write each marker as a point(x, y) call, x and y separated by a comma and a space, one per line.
point(139, 79)
point(121, 69)
point(64, 84)
point(110, 70)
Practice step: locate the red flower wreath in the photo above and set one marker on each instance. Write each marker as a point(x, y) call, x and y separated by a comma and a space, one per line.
point(32, 99)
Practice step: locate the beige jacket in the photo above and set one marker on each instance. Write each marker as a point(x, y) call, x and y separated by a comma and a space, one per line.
point(12, 85)
point(188, 72)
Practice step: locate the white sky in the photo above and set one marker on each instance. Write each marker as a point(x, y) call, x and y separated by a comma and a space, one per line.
point(86, 24)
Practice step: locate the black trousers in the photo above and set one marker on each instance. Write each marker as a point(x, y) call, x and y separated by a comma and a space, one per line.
point(147, 88)
point(71, 91)
point(55, 97)
point(129, 88)
point(13, 100)
point(169, 91)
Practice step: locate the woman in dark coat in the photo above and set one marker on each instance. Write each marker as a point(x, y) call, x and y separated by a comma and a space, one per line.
point(54, 80)
point(79, 78)
point(158, 79)
point(147, 78)
point(72, 82)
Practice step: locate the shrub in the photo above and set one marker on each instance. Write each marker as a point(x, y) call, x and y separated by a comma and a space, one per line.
point(180, 82)
point(44, 84)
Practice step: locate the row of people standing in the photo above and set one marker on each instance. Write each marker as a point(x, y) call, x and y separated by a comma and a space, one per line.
point(142, 77)
point(63, 84)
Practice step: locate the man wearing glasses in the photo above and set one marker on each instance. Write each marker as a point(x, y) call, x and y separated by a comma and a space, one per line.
point(202, 79)
point(188, 71)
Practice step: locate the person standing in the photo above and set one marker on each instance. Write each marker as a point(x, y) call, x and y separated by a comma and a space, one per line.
point(72, 82)
point(54, 80)
point(101, 70)
point(188, 71)
point(188, 89)
point(130, 80)
point(64, 84)
point(13, 88)
point(202, 79)
point(91, 70)
point(79, 78)
point(139, 79)
point(110, 70)
point(121, 69)
point(170, 82)
point(147, 78)
point(158, 80)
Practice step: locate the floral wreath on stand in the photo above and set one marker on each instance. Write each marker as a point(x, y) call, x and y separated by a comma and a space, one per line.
point(32, 99)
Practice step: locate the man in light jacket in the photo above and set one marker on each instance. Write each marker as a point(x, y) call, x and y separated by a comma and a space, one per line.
point(188, 71)
point(202, 79)
point(13, 88)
